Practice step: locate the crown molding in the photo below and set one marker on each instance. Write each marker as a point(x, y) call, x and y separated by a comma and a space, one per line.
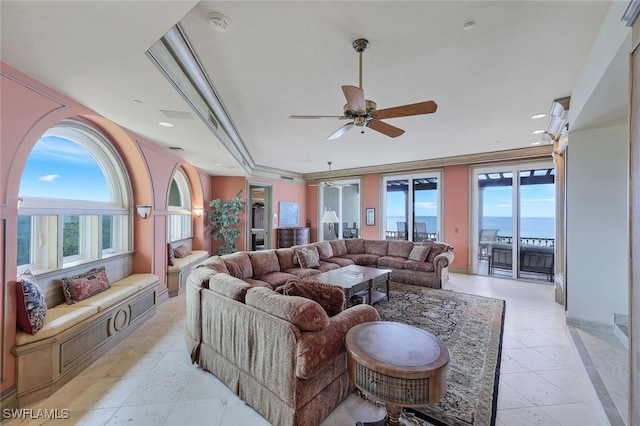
point(530, 153)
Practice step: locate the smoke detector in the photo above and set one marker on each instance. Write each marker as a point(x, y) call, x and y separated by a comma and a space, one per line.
point(218, 22)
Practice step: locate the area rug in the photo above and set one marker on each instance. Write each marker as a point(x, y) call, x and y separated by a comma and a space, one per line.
point(471, 327)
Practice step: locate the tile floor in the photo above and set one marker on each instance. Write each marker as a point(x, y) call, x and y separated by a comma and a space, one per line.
point(149, 380)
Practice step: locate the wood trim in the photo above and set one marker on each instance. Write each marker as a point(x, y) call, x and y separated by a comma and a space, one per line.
point(9, 400)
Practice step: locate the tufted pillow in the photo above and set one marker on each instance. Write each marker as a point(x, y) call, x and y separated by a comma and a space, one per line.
point(85, 285)
point(419, 253)
point(31, 305)
point(330, 297)
point(171, 257)
point(305, 314)
point(181, 251)
point(307, 257)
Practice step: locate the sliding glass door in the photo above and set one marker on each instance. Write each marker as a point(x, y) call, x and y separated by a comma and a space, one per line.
point(515, 221)
point(412, 207)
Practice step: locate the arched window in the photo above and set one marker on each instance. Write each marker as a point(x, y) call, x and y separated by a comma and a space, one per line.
point(180, 218)
point(73, 186)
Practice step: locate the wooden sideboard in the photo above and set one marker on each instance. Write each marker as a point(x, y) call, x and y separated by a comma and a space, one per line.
point(292, 236)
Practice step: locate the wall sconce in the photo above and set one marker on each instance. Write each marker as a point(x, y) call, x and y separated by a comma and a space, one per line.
point(198, 211)
point(143, 210)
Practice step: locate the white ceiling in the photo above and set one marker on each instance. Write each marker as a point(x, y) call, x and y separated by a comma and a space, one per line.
point(280, 58)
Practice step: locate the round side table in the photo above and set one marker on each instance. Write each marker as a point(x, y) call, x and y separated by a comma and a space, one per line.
point(398, 364)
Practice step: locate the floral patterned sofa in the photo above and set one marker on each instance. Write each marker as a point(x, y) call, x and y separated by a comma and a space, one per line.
point(276, 340)
point(282, 354)
point(422, 263)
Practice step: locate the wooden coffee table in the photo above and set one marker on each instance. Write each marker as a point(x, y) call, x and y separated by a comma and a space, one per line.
point(352, 283)
point(398, 364)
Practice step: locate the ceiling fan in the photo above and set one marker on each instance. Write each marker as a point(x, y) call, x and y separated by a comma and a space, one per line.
point(329, 183)
point(362, 112)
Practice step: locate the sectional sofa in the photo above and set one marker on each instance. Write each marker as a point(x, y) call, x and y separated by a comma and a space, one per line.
point(259, 322)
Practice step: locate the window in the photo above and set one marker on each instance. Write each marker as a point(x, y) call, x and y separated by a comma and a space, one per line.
point(74, 200)
point(343, 198)
point(180, 217)
point(412, 207)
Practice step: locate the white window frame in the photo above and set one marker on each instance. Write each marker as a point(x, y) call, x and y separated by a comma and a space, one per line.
point(180, 220)
point(47, 213)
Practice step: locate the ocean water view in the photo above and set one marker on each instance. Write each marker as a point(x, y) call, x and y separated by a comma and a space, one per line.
point(531, 227)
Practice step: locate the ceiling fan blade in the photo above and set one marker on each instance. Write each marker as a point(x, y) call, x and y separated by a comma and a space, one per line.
point(384, 128)
point(355, 98)
point(339, 117)
point(427, 107)
point(341, 131)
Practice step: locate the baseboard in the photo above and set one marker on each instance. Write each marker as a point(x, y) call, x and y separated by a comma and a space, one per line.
point(9, 400)
point(163, 296)
point(458, 269)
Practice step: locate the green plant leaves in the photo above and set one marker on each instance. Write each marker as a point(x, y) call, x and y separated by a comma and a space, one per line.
point(224, 217)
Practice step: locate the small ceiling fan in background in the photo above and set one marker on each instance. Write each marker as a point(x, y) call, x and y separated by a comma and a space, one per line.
point(329, 183)
point(363, 111)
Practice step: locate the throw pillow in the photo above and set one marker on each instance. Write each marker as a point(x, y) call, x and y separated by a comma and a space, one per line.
point(31, 305)
point(85, 285)
point(330, 297)
point(419, 253)
point(437, 249)
point(181, 251)
point(171, 257)
point(307, 258)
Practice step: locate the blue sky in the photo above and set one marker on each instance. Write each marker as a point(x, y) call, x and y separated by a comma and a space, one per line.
point(59, 168)
point(535, 201)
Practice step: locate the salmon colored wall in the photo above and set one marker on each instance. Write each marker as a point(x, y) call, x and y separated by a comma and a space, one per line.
point(370, 199)
point(456, 214)
point(29, 109)
point(225, 187)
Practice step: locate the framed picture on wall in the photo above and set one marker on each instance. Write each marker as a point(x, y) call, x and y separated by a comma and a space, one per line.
point(288, 214)
point(371, 216)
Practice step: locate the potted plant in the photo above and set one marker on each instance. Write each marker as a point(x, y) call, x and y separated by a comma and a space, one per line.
point(224, 217)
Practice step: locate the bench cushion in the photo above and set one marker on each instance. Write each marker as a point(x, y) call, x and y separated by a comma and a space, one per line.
point(195, 256)
point(58, 319)
point(109, 297)
point(140, 281)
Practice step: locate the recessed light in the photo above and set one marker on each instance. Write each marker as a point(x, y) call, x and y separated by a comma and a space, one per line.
point(165, 124)
point(539, 115)
point(538, 132)
point(137, 101)
point(469, 25)
point(536, 143)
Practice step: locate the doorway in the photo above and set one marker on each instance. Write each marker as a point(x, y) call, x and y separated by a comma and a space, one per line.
point(260, 210)
point(514, 229)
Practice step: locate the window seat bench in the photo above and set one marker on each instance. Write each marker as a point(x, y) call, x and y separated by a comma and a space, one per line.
point(74, 336)
point(178, 273)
